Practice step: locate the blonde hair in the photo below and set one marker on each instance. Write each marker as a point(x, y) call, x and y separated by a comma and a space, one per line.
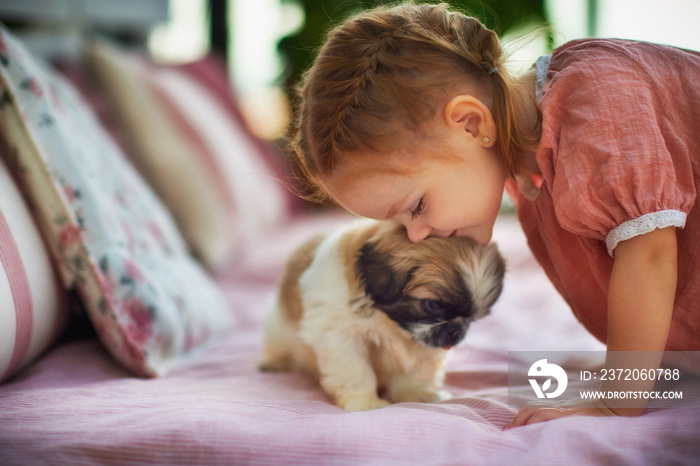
point(379, 77)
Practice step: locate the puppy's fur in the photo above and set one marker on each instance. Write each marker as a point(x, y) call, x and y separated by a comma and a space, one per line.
point(371, 314)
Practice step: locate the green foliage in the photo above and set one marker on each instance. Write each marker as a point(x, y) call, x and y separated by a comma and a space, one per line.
point(321, 15)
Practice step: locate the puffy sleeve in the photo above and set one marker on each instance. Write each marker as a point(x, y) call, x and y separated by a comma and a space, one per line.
point(618, 168)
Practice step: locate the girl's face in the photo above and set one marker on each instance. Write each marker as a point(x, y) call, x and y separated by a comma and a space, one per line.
point(459, 195)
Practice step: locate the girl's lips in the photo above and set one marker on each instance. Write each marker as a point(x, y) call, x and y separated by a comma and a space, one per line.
point(454, 233)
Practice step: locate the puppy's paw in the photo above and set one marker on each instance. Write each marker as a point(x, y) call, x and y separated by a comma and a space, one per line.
point(274, 365)
point(361, 403)
point(425, 395)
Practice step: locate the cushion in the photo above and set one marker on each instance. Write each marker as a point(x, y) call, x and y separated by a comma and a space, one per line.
point(211, 74)
point(150, 302)
point(198, 157)
point(33, 306)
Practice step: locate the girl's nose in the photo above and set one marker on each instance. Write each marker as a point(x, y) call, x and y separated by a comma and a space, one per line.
point(417, 233)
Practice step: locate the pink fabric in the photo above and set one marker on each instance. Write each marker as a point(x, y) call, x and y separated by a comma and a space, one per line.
point(76, 406)
point(619, 141)
point(12, 263)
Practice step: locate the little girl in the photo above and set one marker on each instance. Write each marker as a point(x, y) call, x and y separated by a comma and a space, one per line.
point(408, 113)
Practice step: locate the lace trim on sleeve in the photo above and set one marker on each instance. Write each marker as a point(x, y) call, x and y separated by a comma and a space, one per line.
point(643, 225)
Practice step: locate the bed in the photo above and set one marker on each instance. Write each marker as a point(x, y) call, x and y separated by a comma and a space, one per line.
point(88, 400)
point(75, 405)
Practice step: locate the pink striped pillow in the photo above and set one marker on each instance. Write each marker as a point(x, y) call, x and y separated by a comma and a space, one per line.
point(33, 307)
point(196, 154)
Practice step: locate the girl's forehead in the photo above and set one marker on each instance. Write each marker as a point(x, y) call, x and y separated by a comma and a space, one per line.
point(355, 167)
point(360, 165)
point(370, 193)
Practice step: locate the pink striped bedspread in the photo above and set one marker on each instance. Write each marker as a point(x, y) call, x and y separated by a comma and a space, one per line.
point(75, 406)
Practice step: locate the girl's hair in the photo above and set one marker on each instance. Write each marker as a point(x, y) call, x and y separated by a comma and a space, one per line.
point(381, 76)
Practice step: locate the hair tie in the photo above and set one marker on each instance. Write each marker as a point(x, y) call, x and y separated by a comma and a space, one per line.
point(493, 70)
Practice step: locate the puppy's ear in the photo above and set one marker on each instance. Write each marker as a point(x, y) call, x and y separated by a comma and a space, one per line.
point(381, 283)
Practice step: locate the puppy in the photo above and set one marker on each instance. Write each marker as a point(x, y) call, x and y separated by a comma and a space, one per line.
point(372, 315)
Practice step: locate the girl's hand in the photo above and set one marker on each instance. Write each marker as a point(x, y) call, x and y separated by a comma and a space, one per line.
point(640, 306)
point(533, 413)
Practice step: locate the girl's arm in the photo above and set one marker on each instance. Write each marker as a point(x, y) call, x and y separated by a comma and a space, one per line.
point(642, 291)
point(640, 306)
point(640, 302)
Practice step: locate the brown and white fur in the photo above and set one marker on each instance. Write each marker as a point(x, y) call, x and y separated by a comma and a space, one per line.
point(371, 314)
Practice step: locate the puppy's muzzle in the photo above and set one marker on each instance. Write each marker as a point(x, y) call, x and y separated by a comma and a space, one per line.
point(449, 334)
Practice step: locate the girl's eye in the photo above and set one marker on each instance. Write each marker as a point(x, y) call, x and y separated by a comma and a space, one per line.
point(418, 210)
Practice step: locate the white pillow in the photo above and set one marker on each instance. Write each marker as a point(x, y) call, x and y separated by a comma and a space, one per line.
point(33, 306)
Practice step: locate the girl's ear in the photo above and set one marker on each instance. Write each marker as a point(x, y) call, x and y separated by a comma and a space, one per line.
point(469, 114)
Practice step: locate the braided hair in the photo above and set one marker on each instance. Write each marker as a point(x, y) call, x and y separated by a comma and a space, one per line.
point(380, 77)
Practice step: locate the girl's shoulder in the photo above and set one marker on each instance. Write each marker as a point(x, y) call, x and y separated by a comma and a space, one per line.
point(609, 58)
point(623, 48)
point(609, 106)
point(603, 73)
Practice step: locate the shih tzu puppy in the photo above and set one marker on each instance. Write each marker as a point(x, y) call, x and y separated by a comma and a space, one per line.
point(372, 315)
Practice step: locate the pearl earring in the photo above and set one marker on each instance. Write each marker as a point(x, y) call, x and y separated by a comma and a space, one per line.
point(486, 139)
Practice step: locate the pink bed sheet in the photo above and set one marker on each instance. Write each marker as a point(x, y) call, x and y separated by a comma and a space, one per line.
point(76, 406)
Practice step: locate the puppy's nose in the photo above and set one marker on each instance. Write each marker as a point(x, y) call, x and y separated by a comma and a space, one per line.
point(449, 334)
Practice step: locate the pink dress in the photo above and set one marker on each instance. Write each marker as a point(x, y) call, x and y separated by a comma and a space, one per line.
point(620, 156)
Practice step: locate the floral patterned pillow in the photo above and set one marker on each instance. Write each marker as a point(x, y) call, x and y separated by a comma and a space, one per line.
point(113, 240)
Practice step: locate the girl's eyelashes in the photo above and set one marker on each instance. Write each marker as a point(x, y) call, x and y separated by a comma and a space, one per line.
point(418, 210)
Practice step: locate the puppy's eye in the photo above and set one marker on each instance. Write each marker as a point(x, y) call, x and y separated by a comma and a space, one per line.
point(433, 307)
